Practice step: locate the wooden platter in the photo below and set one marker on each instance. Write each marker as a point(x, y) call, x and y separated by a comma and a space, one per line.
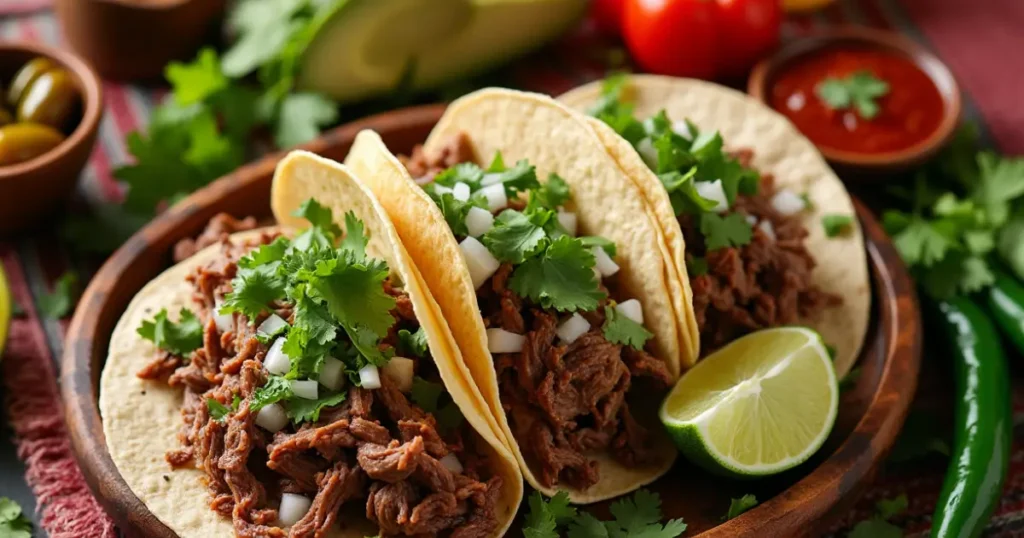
point(801, 502)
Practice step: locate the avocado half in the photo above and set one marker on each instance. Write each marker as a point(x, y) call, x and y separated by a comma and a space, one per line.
point(362, 48)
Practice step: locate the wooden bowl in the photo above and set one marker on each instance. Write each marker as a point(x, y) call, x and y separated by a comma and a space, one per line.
point(796, 503)
point(763, 76)
point(29, 190)
point(134, 39)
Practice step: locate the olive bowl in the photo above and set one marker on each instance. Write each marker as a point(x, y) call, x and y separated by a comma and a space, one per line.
point(32, 189)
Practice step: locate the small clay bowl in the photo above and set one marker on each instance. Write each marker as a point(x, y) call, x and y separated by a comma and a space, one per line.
point(31, 189)
point(135, 39)
point(868, 165)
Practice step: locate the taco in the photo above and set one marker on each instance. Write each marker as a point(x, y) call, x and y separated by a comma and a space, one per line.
point(550, 275)
point(760, 229)
point(287, 383)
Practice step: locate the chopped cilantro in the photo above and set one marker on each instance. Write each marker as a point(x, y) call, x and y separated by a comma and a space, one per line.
point(620, 329)
point(252, 290)
point(836, 225)
point(553, 193)
point(276, 389)
point(196, 81)
point(355, 240)
point(236, 400)
point(265, 254)
point(638, 516)
point(878, 526)
point(545, 516)
point(497, 163)
point(218, 411)
point(514, 237)
point(598, 241)
point(561, 278)
point(352, 291)
point(468, 173)
point(520, 178)
point(454, 210)
point(13, 523)
point(859, 90)
point(426, 394)
point(412, 344)
point(179, 338)
point(302, 410)
point(738, 506)
point(732, 230)
point(319, 216)
point(62, 300)
point(888, 508)
point(697, 266)
point(682, 193)
point(301, 116)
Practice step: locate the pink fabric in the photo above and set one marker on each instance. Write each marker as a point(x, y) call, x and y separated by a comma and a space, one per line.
point(20, 7)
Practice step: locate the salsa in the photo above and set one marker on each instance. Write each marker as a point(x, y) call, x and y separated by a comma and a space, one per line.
point(908, 110)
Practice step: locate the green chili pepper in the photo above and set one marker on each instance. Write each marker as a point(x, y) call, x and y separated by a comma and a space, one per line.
point(983, 426)
point(1005, 300)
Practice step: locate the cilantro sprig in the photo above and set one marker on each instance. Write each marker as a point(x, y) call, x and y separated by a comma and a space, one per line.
point(860, 90)
point(13, 523)
point(637, 516)
point(179, 338)
point(620, 329)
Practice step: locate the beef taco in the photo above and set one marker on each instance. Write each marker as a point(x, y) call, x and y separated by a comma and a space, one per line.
point(759, 228)
point(283, 382)
point(550, 275)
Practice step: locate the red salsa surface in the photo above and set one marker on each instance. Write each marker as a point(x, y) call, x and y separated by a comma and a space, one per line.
point(909, 112)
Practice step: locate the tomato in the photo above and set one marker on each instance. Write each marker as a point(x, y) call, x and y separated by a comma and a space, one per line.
point(700, 38)
point(607, 15)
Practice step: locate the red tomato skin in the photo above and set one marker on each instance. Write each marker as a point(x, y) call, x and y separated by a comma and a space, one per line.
point(747, 30)
point(607, 15)
point(672, 37)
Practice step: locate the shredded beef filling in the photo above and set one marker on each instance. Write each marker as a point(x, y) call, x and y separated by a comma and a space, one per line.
point(376, 447)
point(766, 283)
point(562, 401)
point(219, 228)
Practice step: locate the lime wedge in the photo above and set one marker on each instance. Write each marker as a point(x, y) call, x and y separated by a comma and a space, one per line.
point(761, 405)
point(5, 309)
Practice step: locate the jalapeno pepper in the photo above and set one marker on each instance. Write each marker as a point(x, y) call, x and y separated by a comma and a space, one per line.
point(1005, 300)
point(983, 425)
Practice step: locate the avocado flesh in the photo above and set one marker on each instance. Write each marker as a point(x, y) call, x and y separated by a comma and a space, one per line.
point(363, 47)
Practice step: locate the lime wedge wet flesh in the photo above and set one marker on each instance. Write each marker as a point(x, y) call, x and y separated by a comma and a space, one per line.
point(761, 405)
point(5, 309)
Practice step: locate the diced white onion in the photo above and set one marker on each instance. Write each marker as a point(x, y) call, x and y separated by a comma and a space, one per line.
point(490, 179)
point(293, 508)
point(572, 328)
point(452, 463)
point(766, 227)
point(332, 374)
point(482, 264)
point(751, 220)
point(272, 418)
point(479, 221)
point(369, 377)
point(305, 388)
point(441, 189)
point(276, 362)
point(712, 190)
point(400, 370)
point(787, 202)
point(502, 341)
point(632, 310)
point(461, 191)
point(604, 263)
point(271, 325)
point(495, 195)
point(647, 152)
point(225, 322)
point(568, 221)
point(682, 129)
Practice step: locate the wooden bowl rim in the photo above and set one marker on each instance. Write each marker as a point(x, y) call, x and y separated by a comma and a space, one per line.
point(925, 60)
point(879, 424)
point(92, 98)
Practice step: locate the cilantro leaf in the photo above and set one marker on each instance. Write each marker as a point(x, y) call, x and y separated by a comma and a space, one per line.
point(265, 254)
point(468, 173)
point(217, 410)
point(412, 344)
point(277, 388)
point(612, 90)
point(1000, 181)
point(62, 300)
point(697, 266)
point(849, 381)
point(355, 240)
point(180, 338)
point(620, 329)
point(875, 527)
point(426, 394)
point(587, 526)
point(545, 516)
point(682, 193)
point(733, 230)
point(553, 193)
point(366, 342)
point(738, 506)
point(888, 508)
point(449, 417)
point(301, 117)
point(641, 516)
point(353, 292)
point(859, 90)
point(302, 410)
point(1011, 248)
point(597, 241)
point(321, 217)
point(497, 163)
point(198, 80)
point(514, 237)
point(520, 178)
point(561, 278)
point(454, 210)
point(13, 523)
point(252, 290)
point(917, 240)
point(836, 225)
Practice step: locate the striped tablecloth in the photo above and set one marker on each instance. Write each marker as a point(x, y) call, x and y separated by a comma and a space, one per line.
point(981, 40)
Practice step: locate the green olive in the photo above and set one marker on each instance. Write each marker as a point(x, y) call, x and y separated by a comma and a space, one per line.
point(20, 142)
point(25, 77)
point(50, 100)
point(5, 117)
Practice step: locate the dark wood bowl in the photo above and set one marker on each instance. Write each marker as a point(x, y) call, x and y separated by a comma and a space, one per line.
point(799, 502)
point(30, 190)
point(869, 165)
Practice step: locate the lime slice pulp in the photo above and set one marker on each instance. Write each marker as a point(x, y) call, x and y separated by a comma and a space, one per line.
point(760, 405)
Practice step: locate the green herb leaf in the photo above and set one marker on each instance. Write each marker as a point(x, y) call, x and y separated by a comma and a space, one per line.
point(682, 192)
point(353, 292)
point(561, 278)
point(197, 81)
point(277, 388)
point(520, 178)
point(265, 254)
point(738, 506)
point(468, 173)
point(836, 225)
point(302, 410)
point(62, 300)
point(218, 411)
point(454, 210)
point(641, 516)
point(875, 527)
point(859, 90)
point(514, 237)
point(849, 381)
point(546, 515)
point(252, 290)
point(888, 508)
point(320, 217)
point(732, 230)
point(181, 338)
point(412, 344)
point(554, 192)
point(426, 394)
point(587, 526)
point(697, 266)
point(619, 329)
point(301, 117)
point(609, 247)
point(13, 523)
